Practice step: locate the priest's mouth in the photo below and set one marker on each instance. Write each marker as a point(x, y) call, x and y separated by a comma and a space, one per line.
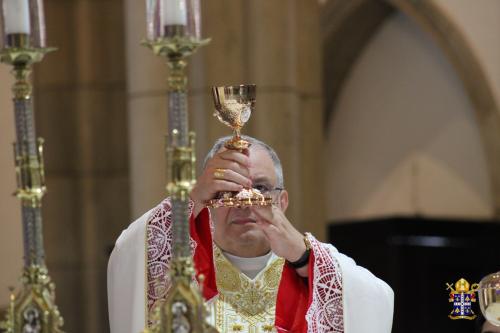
point(243, 221)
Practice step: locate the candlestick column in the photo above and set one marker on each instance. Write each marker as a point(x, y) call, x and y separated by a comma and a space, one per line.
point(173, 33)
point(32, 308)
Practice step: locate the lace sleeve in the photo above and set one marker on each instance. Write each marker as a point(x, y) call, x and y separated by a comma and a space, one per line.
point(159, 252)
point(325, 313)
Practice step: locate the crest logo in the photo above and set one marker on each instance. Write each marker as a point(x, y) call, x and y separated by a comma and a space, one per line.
point(462, 297)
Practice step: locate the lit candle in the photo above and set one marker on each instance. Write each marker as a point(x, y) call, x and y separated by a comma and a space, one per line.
point(17, 17)
point(174, 12)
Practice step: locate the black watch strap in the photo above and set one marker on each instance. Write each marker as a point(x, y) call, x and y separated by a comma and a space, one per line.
point(302, 261)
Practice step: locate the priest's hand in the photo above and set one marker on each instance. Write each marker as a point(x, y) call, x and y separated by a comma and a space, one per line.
point(226, 171)
point(284, 240)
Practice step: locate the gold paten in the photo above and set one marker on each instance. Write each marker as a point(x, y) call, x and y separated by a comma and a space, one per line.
point(244, 304)
point(230, 201)
point(33, 308)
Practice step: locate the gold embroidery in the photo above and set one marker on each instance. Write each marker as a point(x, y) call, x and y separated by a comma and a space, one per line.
point(227, 277)
point(245, 305)
point(237, 327)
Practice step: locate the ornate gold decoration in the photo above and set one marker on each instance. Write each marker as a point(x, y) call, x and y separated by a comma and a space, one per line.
point(244, 304)
point(33, 308)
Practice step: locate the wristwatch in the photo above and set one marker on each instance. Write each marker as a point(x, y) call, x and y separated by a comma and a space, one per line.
point(304, 259)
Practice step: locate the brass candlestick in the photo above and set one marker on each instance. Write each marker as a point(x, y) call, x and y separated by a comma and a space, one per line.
point(184, 309)
point(33, 309)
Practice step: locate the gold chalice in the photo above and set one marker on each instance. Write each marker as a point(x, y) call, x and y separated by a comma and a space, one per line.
point(489, 298)
point(233, 107)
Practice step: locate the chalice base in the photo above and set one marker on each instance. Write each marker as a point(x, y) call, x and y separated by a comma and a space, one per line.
point(242, 199)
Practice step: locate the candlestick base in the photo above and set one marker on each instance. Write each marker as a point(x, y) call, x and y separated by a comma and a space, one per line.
point(33, 309)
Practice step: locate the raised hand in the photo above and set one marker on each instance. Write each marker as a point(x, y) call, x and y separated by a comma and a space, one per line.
point(284, 240)
point(227, 171)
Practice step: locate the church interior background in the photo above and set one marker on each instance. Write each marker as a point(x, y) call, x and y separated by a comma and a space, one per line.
point(385, 114)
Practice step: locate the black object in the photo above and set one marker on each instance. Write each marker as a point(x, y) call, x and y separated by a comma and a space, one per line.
point(302, 261)
point(417, 256)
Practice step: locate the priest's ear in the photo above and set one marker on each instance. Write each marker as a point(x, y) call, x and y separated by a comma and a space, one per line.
point(283, 200)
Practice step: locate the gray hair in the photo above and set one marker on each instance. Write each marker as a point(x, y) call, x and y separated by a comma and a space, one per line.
point(274, 157)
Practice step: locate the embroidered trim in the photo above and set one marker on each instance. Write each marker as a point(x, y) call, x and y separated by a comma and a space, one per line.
point(159, 253)
point(326, 312)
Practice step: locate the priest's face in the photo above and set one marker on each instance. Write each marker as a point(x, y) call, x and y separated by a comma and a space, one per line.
point(235, 229)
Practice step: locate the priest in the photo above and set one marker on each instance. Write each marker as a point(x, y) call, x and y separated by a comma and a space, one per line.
point(261, 273)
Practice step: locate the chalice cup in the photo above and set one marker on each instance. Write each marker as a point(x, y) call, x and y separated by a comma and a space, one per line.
point(233, 107)
point(489, 298)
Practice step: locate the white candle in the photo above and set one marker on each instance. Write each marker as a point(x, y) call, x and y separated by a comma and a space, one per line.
point(174, 12)
point(17, 16)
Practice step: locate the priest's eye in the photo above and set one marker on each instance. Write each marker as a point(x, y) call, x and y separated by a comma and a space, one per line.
point(261, 188)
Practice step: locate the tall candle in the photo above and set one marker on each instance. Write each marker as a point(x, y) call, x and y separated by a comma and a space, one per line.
point(174, 12)
point(17, 16)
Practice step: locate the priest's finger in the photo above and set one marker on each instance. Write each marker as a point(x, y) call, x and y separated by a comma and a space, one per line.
point(236, 156)
point(231, 176)
point(270, 231)
point(271, 214)
point(207, 187)
point(219, 163)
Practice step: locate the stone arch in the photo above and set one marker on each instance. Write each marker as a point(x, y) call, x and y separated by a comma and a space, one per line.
point(349, 25)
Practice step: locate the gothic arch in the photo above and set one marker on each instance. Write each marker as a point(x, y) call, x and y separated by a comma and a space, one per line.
point(349, 25)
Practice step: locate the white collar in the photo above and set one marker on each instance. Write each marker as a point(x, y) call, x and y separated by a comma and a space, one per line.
point(251, 267)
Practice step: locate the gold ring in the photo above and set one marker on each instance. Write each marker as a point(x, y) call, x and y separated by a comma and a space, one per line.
point(219, 173)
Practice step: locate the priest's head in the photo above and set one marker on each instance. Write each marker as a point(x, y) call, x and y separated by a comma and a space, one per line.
point(236, 229)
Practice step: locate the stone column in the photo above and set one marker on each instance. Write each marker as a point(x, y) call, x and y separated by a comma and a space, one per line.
point(11, 254)
point(80, 110)
point(274, 44)
point(146, 106)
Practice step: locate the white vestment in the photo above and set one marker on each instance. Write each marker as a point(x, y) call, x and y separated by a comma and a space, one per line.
point(367, 301)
